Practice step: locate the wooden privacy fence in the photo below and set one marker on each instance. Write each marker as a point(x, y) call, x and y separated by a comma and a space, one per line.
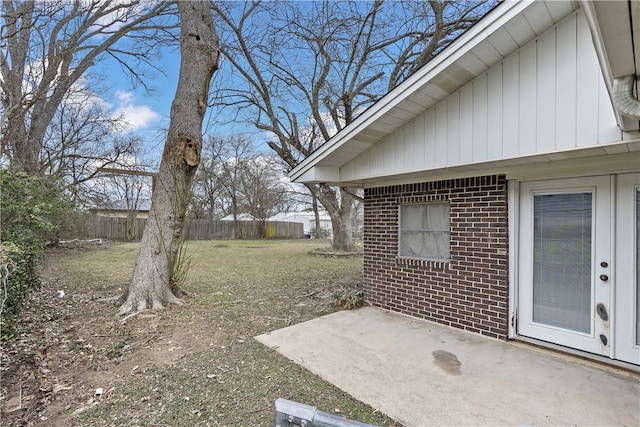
point(130, 230)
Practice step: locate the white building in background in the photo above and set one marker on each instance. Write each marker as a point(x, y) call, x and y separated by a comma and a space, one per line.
point(241, 217)
point(308, 220)
point(122, 209)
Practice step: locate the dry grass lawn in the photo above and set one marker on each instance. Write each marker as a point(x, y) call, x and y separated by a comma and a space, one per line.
point(194, 365)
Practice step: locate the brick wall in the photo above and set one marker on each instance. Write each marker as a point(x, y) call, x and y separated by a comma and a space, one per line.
point(471, 290)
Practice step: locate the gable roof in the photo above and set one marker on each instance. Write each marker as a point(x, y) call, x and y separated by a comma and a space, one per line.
point(504, 30)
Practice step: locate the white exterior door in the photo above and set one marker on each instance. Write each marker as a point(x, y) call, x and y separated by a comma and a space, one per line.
point(627, 319)
point(565, 269)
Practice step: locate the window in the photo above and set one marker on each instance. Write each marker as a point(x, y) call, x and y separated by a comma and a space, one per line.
point(424, 231)
point(562, 241)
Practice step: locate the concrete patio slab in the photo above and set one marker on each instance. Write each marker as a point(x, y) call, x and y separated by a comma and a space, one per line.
point(424, 374)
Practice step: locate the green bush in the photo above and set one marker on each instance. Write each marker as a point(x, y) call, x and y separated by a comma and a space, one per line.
point(33, 211)
point(17, 278)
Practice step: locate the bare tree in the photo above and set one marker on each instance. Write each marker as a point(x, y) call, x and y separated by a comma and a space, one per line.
point(262, 189)
point(236, 150)
point(47, 46)
point(234, 178)
point(127, 189)
point(152, 285)
point(310, 70)
point(81, 139)
point(206, 199)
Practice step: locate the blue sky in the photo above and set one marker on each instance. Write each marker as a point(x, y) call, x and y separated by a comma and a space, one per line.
point(148, 113)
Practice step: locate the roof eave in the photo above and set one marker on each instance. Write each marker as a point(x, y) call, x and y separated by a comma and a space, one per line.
point(465, 43)
point(613, 25)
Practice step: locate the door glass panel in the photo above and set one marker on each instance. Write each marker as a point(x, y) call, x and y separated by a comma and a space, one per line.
point(637, 313)
point(562, 260)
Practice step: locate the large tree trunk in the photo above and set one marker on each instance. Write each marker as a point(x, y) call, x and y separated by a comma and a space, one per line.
point(316, 213)
point(151, 285)
point(343, 236)
point(340, 211)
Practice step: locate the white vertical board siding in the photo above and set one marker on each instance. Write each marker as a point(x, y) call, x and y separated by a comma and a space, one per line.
point(510, 111)
point(441, 134)
point(545, 93)
point(388, 149)
point(453, 129)
point(566, 91)
point(527, 132)
point(479, 136)
point(419, 141)
point(548, 96)
point(494, 114)
point(587, 76)
point(466, 126)
point(430, 139)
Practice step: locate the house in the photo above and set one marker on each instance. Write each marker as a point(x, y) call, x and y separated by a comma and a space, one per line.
point(308, 221)
point(502, 181)
point(239, 217)
point(120, 209)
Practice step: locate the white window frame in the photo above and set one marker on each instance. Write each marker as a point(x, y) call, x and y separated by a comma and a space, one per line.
point(401, 230)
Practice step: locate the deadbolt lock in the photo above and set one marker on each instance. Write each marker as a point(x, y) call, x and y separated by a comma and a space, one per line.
point(602, 312)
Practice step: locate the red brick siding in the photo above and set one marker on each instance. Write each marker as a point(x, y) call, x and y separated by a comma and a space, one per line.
point(471, 290)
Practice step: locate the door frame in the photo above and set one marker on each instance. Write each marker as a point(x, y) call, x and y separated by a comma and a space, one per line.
point(514, 196)
point(626, 348)
point(601, 291)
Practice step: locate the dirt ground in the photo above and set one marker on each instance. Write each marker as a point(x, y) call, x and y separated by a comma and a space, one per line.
point(75, 362)
point(60, 359)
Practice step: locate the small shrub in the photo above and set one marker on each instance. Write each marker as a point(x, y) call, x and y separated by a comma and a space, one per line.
point(34, 210)
point(180, 268)
point(17, 278)
point(345, 298)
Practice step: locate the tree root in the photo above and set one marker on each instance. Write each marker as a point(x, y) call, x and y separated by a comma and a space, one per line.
point(130, 316)
point(142, 305)
point(114, 299)
point(182, 293)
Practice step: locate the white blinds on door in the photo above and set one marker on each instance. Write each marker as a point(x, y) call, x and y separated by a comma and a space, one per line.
point(562, 260)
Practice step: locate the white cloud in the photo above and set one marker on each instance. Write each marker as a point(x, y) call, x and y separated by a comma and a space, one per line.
point(122, 11)
point(135, 116)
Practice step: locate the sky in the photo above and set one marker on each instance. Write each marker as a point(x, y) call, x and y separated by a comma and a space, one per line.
point(148, 113)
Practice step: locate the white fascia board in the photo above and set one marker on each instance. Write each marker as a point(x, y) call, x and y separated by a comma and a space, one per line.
point(318, 175)
point(496, 19)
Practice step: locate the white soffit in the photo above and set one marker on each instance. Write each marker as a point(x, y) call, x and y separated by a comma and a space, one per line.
point(614, 26)
point(500, 33)
point(615, 22)
point(619, 158)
